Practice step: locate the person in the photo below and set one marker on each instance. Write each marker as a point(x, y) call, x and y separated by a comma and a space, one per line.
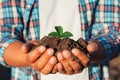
point(24, 22)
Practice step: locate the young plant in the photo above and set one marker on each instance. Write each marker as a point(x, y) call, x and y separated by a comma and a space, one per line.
point(59, 33)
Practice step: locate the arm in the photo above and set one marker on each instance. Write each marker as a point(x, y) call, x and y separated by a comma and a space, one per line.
point(104, 30)
point(101, 23)
point(11, 26)
point(40, 58)
point(12, 38)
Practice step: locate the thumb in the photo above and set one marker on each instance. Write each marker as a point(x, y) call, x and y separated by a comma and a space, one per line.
point(92, 47)
point(28, 46)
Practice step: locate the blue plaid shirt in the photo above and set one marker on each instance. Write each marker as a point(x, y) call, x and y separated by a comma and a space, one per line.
point(19, 21)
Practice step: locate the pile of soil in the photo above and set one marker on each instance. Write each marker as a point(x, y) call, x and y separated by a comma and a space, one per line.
point(63, 44)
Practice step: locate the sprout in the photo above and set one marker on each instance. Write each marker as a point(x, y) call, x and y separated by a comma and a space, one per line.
point(59, 33)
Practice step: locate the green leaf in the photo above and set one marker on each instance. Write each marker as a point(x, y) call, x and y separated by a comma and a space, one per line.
point(59, 29)
point(53, 34)
point(67, 34)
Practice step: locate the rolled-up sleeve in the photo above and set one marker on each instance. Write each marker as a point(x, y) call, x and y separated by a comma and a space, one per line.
point(106, 27)
point(10, 26)
point(8, 35)
point(109, 36)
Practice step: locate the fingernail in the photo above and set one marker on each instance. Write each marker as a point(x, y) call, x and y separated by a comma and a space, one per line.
point(66, 53)
point(75, 51)
point(50, 52)
point(53, 60)
point(92, 49)
point(41, 49)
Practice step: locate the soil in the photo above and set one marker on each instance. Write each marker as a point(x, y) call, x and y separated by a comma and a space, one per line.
point(63, 44)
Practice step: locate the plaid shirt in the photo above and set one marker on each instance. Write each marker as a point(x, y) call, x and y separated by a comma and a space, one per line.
point(100, 20)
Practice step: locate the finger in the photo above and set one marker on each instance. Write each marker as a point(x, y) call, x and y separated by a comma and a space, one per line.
point(68, 69)
point(84, 59)
point(71, 60)
point(60, 68)
point(36, 53)
point(49, 66)
point(28, 46)
point(92, 47)
point(54, 69)
point(59, 65)
point(42, 61)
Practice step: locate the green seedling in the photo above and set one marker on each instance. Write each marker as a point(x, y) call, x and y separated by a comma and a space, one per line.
point(59, 33)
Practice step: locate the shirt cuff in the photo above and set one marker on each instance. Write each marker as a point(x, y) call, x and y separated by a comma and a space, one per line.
point(110, 45)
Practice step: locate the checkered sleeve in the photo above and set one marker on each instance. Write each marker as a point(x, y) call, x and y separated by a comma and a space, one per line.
point(10, 25)
point(109, 38)
point(107, 26)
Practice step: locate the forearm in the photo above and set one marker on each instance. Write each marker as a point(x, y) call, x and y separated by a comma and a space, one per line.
point(108, 36)
point(14, 56)
point(108, 47)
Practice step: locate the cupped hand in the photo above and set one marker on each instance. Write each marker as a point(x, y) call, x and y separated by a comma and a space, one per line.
point(74, 61)
point(40, 58)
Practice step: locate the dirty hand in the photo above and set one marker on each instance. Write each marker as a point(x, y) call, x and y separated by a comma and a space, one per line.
point(40, 58)
point(69, 65)
point(72, 62)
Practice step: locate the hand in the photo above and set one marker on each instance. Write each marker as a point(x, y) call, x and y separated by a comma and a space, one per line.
point(40, 58)
point(69, 66)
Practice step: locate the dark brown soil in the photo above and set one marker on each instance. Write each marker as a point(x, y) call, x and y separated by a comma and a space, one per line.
point(50, 42)
point(63, 44)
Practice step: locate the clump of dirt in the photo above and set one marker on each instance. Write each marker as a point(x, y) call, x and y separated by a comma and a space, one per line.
point(67, 44)
point(50, 42)
point(63, 44)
